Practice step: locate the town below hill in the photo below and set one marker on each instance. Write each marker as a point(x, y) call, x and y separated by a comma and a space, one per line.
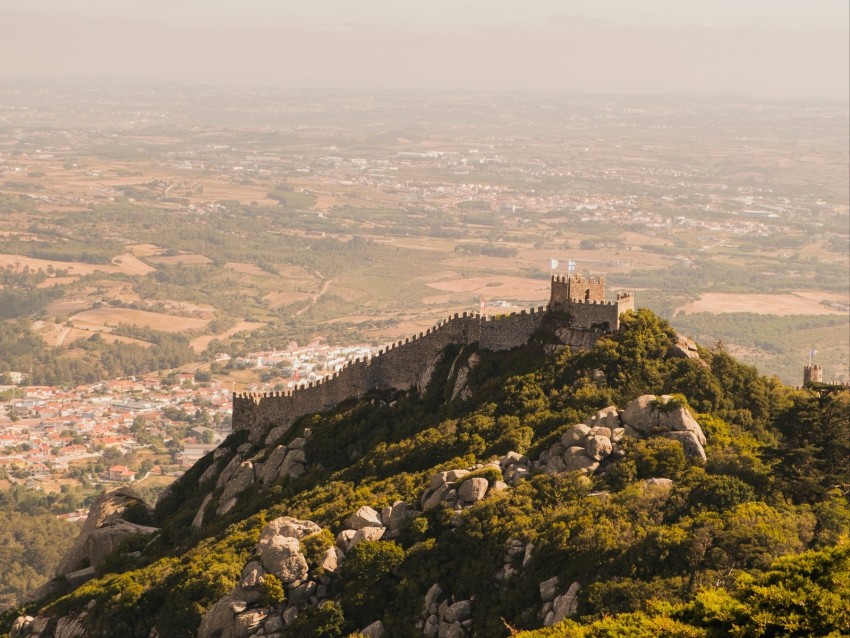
point(145, 430)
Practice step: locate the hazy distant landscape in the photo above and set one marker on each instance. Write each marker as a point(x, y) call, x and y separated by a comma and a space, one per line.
point(288, 348)
point(170, 224)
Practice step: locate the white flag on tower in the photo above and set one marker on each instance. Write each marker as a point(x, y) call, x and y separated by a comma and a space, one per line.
point(554, 264)
point(571, 265)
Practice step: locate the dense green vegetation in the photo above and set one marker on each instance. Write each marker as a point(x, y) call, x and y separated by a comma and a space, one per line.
point(806, 594)
point(753, 543)
point(20, 295)
point(88, 360)
point(778, 344)
point(31, 545)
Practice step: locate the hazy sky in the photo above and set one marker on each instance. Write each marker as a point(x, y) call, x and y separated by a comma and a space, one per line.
point(767, 48)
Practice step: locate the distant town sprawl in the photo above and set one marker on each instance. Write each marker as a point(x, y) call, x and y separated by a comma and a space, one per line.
point(50, 434)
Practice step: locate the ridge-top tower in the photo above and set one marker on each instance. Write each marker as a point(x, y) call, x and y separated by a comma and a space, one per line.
point(583, 299)
point(812, 374)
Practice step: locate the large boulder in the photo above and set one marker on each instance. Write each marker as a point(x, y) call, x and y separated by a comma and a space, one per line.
point(598, 447)
point(241, 479)
point(71, 627)
point(375, 630)
point(268, 472)
point(473, 490)
point(198, 521)
point(253, 575)
point(276, 433)
point(431, 500)
point(105, 528)
point(678, 419)
point(294, 464)
point(21, 627)
point(639, 413)
point(364, 517)
point(219, 619)
point(281, 556)
point(566, 604)
point(280, 547)
point(460, 611)
point(400, 512)
point(332, 559)
point(229, 470)
point(684, 348)
point(548, 589)
point(246, 623)
point(366, 534)
point(288, 526)
point(209, 473)
point(660, 416)
point(690, 444)
point(575, 435)
point(576, 460)
point(606, 417)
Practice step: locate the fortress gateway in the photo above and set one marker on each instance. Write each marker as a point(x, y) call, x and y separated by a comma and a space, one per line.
point(577, 313)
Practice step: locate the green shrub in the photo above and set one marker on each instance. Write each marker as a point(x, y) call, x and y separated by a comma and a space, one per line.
point(272, 590)
point(658, 457)
point(315, 546)
point(718, 493)
point(366, 581)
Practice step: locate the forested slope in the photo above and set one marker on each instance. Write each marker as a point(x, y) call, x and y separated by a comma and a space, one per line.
point(648, 540)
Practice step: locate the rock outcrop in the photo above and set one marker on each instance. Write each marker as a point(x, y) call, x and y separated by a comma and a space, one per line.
point(684, 348)
point(236, 472)
point(368, 524)
point(443, 619)
point(557, 607)
point(584, 447)
point(461, 488)
point(246, 610)
point(105, 528)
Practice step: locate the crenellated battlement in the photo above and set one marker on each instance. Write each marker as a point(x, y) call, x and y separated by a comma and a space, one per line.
point(583, 300)
point(408, 363)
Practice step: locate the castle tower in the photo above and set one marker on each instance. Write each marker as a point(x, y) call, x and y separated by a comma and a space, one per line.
point(577, 289)
point(812, 374)
point(583, 299)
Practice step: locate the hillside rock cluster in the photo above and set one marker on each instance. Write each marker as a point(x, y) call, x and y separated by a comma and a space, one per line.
point(247, 610)
point(240, 472)
point(557, 607)
point(443, 619)
point(585, 446)
point(460, 489)
point(368, 524)
point(104, 529)
point(684, 348)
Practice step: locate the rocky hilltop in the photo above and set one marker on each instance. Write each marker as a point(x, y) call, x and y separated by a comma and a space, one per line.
point(638, 484)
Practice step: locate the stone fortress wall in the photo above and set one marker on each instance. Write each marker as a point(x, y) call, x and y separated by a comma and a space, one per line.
point(408, 364)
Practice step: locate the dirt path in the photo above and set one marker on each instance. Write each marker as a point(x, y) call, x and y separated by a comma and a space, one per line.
point(325, 285)
point(61, 338)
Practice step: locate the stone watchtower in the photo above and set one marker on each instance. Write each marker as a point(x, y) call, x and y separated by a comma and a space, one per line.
point(812, 374)
point(577, 289)
point(583, 298)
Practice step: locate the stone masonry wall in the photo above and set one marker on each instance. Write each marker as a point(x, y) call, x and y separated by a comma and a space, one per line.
point(403, 365)
point(595, 314)
point(408, 364)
